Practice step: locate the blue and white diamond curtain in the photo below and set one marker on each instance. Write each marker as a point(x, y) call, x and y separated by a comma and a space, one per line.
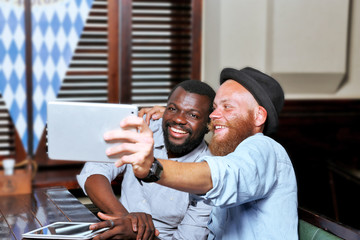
point(56, 29)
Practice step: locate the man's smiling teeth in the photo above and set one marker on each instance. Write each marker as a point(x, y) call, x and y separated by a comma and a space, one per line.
point(178, 130)
point(218, 127)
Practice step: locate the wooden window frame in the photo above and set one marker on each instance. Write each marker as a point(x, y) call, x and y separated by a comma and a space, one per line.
point(124, 58)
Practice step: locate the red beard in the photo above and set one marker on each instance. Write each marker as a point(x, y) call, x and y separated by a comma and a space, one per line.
point(239, 130)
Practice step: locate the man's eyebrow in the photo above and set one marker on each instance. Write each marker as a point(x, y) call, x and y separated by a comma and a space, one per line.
point(194, 110)
point(188, 110)
point(224, 101)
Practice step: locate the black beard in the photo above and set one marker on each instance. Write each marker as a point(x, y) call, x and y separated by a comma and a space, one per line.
point(187, 146)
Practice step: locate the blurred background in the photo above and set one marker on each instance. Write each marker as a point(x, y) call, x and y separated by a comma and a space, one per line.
point(133, 51)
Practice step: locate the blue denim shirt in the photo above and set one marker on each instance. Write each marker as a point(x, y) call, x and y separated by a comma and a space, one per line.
point(254, 192)
point(174, 215)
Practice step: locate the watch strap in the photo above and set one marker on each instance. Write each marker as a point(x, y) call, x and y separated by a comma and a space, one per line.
point(155, 172)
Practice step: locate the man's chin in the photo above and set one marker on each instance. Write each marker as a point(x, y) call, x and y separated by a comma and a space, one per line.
point(220, 146)
point(178, 143)
point(216, 147)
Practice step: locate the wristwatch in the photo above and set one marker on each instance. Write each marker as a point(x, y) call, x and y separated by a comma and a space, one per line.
point(155, 172)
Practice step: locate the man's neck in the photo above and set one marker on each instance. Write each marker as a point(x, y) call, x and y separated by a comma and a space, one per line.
point(179, 155)
point(175, 155)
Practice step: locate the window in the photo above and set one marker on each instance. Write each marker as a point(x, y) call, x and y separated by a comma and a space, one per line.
point(129, 52)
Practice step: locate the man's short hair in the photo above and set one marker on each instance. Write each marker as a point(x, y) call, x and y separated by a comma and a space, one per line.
point(198, 87)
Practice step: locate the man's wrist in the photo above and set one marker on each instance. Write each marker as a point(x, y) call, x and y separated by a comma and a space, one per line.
point(155, 172)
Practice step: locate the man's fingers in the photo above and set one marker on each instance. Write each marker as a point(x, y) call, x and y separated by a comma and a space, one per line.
point(104, 216)
point(99, 225)
point(149, 233)
point(128, 125)
point(140, 169)
point(134, 122)
point(142, 112)
point(106, 235)
point(124, 135)
point(143, 227)
point(130, 148)
point(134, 222)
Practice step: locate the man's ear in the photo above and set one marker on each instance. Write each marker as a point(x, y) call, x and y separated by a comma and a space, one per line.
point(260, 116)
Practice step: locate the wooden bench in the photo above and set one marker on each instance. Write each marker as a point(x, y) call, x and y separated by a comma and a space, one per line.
point(313, 226)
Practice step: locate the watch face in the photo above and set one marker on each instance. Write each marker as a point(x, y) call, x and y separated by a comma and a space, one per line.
point(154, 172)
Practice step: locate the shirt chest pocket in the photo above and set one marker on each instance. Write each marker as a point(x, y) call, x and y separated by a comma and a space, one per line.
point(170, 205)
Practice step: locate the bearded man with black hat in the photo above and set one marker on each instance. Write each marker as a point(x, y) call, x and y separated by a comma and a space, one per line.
point(250, 181)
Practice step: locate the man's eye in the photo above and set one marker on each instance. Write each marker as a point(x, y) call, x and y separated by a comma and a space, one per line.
point(171, 109)
point(192, 115)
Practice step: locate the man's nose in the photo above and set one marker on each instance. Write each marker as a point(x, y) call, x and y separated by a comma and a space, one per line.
point(215, 114)
point(180, 118)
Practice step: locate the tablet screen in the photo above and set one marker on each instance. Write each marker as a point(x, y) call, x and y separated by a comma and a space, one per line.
point(64, 230)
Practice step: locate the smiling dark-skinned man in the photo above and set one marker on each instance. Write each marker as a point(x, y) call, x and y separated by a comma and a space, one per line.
point(179, 136)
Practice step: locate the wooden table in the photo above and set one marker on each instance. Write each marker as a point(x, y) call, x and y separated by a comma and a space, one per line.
point(23, 213)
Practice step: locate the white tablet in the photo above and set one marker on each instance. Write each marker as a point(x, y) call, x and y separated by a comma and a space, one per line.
point(75, 130)
point(64, 230)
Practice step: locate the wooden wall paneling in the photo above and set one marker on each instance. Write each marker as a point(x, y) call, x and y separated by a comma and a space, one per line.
point(113, 52)
point(315, 132)
point(125, 50)
point(196, 39)
point(162, 48)
point(29, 84)
point(10, 142)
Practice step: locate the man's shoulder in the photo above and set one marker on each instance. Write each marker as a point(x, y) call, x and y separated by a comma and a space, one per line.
point(262, 143)
point(258, 138)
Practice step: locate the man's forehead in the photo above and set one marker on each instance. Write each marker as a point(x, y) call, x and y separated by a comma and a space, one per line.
point(181, 93)
point(228, 88)
point(231, 90)
point(190, 101)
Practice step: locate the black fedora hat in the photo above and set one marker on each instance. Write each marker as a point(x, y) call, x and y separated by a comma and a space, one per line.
point(265, 89)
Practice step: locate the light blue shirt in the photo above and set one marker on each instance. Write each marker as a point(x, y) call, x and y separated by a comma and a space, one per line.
point(173, 213)
point(254, 192)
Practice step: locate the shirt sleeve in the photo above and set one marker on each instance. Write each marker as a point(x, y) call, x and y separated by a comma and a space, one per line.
point(245, 175)
point(109, 170)
point(194, 224)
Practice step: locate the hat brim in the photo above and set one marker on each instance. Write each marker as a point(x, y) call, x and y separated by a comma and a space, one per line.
point(259, 94)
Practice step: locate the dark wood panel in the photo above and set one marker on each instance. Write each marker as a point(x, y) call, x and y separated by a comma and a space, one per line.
point(113, 54)
point(58, 175)
point(314, 132)
point(125, 51)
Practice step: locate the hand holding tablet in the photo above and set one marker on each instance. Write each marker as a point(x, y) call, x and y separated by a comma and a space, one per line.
point(64, 230)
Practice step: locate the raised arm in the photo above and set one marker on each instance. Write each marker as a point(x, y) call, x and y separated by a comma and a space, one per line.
point(189, 177)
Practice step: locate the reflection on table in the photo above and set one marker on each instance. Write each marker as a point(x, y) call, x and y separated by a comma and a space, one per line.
point(23, 213)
